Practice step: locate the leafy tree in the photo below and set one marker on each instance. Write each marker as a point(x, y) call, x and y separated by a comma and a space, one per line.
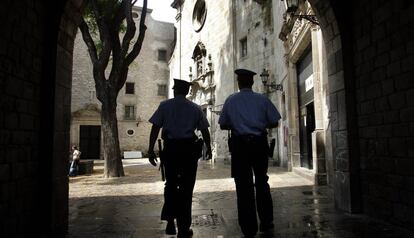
point(108, 29)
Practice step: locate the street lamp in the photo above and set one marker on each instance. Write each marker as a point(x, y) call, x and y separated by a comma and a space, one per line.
point(292, 6)
point(265, 77)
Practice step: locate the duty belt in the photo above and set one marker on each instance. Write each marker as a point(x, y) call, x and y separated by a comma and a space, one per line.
point(250, 137)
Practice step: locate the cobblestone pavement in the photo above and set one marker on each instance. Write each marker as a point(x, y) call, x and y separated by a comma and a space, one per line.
point(129, 207)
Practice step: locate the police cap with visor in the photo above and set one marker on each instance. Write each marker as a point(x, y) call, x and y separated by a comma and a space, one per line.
point(181, 84)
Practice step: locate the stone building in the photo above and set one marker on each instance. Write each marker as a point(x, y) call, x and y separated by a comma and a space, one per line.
point(328, 117)
point(213, 39)
point(305, 82)
point(369, 51)
point(144, 89)
point(209, 53)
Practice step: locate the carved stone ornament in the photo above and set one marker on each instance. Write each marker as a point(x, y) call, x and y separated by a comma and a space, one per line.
point(90, 110)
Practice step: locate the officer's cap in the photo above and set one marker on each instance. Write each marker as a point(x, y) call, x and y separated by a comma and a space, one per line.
point(245, 73)
point(181, 84)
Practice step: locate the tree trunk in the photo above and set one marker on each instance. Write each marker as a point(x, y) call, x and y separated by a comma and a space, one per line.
point(112, 154)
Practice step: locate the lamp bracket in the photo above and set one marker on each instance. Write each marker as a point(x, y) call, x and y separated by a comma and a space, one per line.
point(274, 86)
point(311, 18)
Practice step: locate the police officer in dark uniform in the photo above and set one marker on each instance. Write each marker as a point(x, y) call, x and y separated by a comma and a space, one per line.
point(178, 118)
point(248, 114)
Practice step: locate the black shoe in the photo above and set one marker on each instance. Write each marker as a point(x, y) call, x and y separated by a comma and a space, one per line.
point(185, 234)
point(170, 229)
point(264, 227)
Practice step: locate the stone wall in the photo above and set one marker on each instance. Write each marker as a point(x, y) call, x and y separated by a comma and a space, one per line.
point(34, 118)
point(384, 71)
point(21, 62)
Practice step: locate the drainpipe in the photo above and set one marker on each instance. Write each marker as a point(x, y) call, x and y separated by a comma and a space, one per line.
point(181, 16)
point(234, 39)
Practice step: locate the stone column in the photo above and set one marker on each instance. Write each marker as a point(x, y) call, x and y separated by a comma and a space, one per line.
point(293, 117)
point(318, 155)
point(318, 136)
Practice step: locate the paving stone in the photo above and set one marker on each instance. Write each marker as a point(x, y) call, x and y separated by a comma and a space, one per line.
point(130, 206)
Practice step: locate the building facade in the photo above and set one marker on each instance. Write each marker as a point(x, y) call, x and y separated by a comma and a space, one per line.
point(308, 137)
point(269, 38)
point(215, 38)
point(260, 36)
point(145, 88)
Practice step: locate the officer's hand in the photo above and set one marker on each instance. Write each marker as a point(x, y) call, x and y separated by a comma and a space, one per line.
point(208, 154)
point(152, 158)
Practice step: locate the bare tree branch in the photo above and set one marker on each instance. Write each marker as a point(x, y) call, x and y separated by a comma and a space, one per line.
point(118, 68)
point(130, 31)
point(86, 35)
point(138, 44)
point(122, 78)
point(104, 35)
point(115, 28)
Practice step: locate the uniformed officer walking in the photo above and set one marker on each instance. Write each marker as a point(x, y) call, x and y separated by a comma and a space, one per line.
point(248, 114)
point(178, 118)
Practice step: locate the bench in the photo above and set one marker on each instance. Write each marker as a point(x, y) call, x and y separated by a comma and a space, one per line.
point(132, 154)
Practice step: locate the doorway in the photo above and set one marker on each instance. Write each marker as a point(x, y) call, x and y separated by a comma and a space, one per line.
point(90, 142)
point(304, 69)
point(307, 126)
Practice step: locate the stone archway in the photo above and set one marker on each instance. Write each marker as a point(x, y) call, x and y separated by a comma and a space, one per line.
point(341, 103)
point(69, 21)
point(345, 172)
point(341, 145)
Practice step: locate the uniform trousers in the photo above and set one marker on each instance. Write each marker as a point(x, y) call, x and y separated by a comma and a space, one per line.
point(249, 169)
point(180, 174)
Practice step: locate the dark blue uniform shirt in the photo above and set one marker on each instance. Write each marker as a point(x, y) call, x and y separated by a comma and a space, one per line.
point(179, 118)
point(248, 113)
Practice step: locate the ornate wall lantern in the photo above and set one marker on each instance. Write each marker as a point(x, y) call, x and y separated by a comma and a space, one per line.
point(265, 80)
point(292, 6)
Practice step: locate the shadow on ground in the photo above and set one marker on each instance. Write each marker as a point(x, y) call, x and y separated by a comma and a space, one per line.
point(302, 211)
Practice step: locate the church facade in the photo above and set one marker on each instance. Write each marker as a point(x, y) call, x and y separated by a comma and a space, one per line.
point(289, 56)
point(215, 38)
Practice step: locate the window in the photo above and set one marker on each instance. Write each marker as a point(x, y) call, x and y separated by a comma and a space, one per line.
point(129, 113)
point(243, 47)
point(199, 15)
point(92, 95)
point(130, 132)
point(162, 55)
point(130, 88)
point(162, 90)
